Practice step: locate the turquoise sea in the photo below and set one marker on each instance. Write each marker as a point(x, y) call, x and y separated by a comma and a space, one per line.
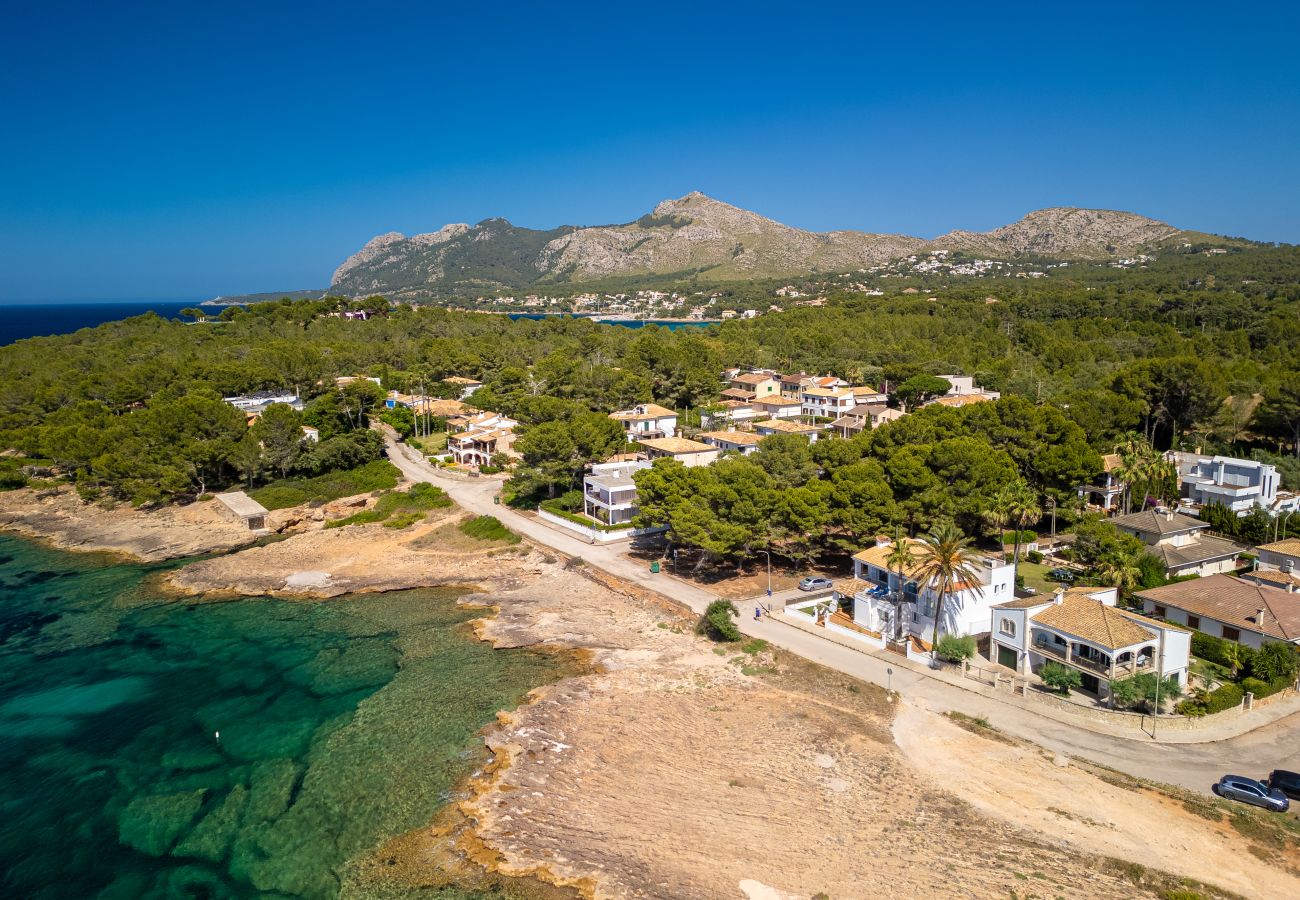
point(154, 748)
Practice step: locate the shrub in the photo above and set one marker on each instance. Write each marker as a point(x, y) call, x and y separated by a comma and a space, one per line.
point(1229, 654)
point(1275, 661)
point(570, 501)
point(1255, 686)
point(1026, 537)
point(1124, 692)
point(1034, 556)
point(955, 648)
point(1223, 698)
point(1143, 687)
point(1060, 678)
point(489, 528)
point(718, 622)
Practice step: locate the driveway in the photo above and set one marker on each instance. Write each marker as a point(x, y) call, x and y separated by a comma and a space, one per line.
point(1191, 765)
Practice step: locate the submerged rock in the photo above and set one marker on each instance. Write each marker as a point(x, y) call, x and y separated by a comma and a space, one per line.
point(210, 839)
point(152, 824)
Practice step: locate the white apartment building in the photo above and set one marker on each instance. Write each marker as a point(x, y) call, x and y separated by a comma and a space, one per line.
point(609, 492)
point(1239, 484)
point(646, 420)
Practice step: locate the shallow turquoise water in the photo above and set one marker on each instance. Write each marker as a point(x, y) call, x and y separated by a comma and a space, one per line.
point(246, 749)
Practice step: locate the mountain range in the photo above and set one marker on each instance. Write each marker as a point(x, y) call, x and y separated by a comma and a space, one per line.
point(696, 234)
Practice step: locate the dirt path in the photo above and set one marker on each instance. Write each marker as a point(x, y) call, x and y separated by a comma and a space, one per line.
point(1021, 784)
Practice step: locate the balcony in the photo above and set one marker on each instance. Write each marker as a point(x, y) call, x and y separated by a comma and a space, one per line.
point(1092, 661)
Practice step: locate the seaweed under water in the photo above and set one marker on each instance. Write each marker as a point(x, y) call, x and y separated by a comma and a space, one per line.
point(152, 747)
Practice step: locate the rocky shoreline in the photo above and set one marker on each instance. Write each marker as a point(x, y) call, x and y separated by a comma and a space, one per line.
point(676, 768)
point(61, 519)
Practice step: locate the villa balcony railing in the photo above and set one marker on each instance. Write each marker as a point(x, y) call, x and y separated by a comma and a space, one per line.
point(1089, 665)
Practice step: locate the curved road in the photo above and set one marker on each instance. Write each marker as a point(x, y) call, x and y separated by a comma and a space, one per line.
point(1191, 765)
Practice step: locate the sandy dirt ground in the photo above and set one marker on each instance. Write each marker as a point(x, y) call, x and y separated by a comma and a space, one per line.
point(59, 518)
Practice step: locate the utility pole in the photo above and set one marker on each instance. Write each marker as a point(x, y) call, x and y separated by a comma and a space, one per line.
point(1052, 502)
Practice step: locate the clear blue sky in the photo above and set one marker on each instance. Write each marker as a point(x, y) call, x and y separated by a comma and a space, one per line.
point(168, 149)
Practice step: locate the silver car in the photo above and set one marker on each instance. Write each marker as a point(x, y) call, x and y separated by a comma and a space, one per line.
point(1248, 790)
point(815, 583)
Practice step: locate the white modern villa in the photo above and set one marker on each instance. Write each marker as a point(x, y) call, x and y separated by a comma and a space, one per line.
point(966, 611)
point(1083, 629)
point(1239, 484)
point(609, 492)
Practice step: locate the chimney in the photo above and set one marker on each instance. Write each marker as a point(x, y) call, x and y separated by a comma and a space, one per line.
point(1259, 618)
point(883, 540)
point(1059, 597)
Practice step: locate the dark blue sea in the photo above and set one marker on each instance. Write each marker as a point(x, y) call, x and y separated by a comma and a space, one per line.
point(24, 320)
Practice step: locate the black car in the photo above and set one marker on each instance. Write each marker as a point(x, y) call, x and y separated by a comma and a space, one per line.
point(1286, 782)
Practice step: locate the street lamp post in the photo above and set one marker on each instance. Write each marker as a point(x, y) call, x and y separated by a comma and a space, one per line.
point(1052, 504)
point(1284, 519)
point(768, 554)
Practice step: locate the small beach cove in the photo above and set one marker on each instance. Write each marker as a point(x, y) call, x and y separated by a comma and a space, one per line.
point(154, 747)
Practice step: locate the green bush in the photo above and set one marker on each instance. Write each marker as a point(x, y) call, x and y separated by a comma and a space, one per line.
point(1060, 678)
point(1275, 661)
point(373, 476)
point(553, 506)
point(1124, 692)
point(1034, 556)
point(489, 528)
point(1026, 537)
point(955, 648)
point(410, 506)
point(718, 622)
point(1223, 698)
point(1217, 650)
point(1255, 686)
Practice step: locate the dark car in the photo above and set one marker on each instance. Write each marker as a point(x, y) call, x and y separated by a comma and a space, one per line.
point(1248, 790)
point(815, 583)
point(1286, 782)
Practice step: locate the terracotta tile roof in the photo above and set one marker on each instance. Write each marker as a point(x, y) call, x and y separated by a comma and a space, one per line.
point(676, 445)
point(1025, 602)
point(1148, 521)
point(1204, 549)
point(787, 426)
point(1289, 547)
point(1274, 578)
point(827, 392)
point(1095, 622)
point(1111, 461)
point(962, 399)
point(738, 394)
point(752, 378)
point(642, 411)
point(740, 438)
point(855, 586)
point(777, 401)
point(1234, 602)
point(878, 556)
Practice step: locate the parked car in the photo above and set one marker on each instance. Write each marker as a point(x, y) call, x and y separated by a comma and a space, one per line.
point(1286, 782)
point(814, 583)
point(1061, 575)
point(1248, 790)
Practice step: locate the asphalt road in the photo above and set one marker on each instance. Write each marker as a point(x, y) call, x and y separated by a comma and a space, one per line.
point(1191, 765)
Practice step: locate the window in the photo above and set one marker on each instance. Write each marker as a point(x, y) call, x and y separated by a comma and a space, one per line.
point(1194, 622)
point(1008, 627)
point(1158, 610)
point(1231, 634)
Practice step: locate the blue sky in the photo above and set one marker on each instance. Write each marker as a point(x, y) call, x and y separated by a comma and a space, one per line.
point(168, 150)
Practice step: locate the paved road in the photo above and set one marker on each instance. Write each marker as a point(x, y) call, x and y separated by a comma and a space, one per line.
point(1192, 765)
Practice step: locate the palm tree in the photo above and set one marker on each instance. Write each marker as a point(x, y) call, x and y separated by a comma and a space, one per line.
point(1024, 510)
point(947, 564)
point(1120, 570)
point(900, 559)
point(998, 514)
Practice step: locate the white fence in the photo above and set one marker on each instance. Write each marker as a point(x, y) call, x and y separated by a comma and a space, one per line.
point(593, 534)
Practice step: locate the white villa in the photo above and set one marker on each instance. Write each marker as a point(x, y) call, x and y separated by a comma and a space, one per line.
point(1234, 609)
point(1239, 484)
point(1107, 490)
point(785, 426)
point(1180, 541)
point(777, 407)
point(486, 436)
point(827, 403)
point(1082, 628)
point(965, 386)
point(687, 452)
point(609, 493)
point(1280, 556)
point(646, 420)
point(731, 412)
point(745, 442)
point(965, 612)
point(256, 404)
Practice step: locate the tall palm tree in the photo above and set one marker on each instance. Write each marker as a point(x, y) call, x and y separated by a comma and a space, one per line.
point(998, 513)
point(900, 559)
point(947, 564)
point(1136, 456)
point(1120, 570)
point(1024, 510)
